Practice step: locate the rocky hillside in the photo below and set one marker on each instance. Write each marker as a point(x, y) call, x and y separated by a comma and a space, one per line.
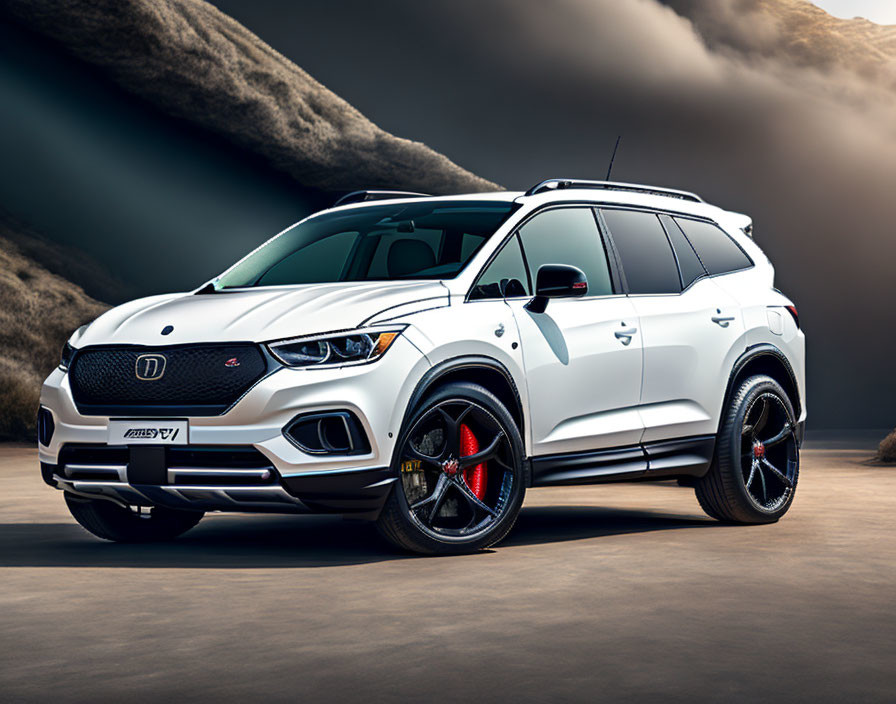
point(39, 311)
point(196, 63)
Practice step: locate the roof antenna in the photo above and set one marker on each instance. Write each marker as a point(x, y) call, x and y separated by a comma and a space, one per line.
point(613, 158)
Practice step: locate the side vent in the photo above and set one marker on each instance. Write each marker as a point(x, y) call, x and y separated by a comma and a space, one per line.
point(45, 426)
point(330, 433)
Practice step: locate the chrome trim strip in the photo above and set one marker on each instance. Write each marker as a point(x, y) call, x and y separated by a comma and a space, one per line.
point(263, 473)
point(324, 472)
point(271, 497)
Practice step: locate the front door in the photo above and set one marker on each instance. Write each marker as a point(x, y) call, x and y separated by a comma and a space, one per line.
point(582, 356)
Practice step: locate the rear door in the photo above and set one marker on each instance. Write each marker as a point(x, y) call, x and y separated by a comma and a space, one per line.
point(690, 326)
point(582, 356)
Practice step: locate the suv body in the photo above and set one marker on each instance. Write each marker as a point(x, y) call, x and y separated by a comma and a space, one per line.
point(258, 393)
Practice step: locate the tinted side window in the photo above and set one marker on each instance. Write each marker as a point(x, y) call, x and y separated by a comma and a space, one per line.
point(647, 258)
point(688, 263)
point(568, 236)
point(718, 252)
point(505, 276)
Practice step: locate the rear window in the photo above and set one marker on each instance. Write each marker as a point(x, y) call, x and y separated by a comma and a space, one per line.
point(719, 253)
point(647, 258)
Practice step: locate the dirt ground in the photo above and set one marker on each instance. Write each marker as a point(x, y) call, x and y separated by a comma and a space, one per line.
point(614, 592)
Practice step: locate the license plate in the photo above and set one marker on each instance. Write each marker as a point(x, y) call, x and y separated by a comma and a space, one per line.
point(148, 432)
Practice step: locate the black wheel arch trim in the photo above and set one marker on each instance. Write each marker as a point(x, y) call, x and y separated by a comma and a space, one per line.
point(449, 366)
point(764, 349)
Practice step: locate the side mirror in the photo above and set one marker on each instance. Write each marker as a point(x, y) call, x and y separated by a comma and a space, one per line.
point(557, 281)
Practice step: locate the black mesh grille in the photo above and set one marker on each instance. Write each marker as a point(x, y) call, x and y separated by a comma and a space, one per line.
point(186, 380)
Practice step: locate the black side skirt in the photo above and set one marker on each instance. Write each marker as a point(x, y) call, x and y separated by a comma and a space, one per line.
point(683, 457)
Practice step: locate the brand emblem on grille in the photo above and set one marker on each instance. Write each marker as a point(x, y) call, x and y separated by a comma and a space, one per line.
point(150, 367)
point(232, 362)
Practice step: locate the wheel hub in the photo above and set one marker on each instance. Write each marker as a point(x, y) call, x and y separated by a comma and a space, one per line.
point(758, 450)
point(450, 466)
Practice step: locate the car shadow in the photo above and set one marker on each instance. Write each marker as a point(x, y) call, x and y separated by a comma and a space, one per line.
point(243, 542)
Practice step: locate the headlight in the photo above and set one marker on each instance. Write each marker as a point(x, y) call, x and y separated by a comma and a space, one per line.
point(67, 353)
point(334, 350)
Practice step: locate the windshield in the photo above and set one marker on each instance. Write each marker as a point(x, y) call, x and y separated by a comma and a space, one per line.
point(428, 240)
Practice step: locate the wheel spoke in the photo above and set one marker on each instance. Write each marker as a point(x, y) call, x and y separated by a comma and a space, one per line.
point(780, 475)
point(452, 441)
point(752, 475)
point(471, 498)
point(435, 498)
point(780, 437)
point(417, 455)
point(762, 479)
point(501, 463)
point(763, 417)
point(483, 455)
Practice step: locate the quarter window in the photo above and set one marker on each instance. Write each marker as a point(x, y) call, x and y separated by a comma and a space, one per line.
point(718, 252)
point(505, 276)
point(568, 236)
point(647, 258)
point(688, 263)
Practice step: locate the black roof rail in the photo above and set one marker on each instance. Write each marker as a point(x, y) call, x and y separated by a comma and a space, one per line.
point(559, 183)
point(362, 196)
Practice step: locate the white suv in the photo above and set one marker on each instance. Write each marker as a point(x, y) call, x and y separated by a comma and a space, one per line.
point(422, 361)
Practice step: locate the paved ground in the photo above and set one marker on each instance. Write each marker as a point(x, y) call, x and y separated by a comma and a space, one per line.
point(625, 593)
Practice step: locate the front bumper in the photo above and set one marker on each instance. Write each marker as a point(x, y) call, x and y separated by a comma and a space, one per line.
point(353, 492)
point(377, 394)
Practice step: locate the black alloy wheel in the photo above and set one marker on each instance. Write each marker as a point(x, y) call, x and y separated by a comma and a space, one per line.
point(755, 470)
point(460, 483)
point(769, 455)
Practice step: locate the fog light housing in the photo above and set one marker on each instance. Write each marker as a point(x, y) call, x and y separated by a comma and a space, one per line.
point(328, 433)
point(45, 426)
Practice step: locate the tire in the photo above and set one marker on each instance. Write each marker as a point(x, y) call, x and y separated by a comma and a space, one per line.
point(755, 470)
point(452, 522)
point(110, 521)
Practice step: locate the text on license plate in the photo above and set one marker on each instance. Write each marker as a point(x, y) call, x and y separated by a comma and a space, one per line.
point(148, 432)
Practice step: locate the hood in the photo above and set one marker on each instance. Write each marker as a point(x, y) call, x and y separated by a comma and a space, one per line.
point(261, 314)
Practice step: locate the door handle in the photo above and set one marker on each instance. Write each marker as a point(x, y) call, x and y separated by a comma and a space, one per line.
point(625, 336)
point(722, 320)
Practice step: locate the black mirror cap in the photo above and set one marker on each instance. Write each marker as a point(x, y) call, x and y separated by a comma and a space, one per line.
point(557, 281)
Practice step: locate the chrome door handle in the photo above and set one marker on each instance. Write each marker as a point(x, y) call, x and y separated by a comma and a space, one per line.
point(625, 336)
point(722, 320)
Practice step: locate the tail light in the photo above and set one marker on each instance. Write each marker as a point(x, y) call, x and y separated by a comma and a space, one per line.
point(796, 316)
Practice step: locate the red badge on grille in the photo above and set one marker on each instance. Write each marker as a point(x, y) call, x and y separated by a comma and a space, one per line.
point(232, 362)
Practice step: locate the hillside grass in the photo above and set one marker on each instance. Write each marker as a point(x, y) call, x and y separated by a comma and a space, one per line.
point(38, 312)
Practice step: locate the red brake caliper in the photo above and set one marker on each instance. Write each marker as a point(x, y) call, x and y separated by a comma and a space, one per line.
point(474, 476)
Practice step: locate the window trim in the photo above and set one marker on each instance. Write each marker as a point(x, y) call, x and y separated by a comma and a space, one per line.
point(612, 263)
